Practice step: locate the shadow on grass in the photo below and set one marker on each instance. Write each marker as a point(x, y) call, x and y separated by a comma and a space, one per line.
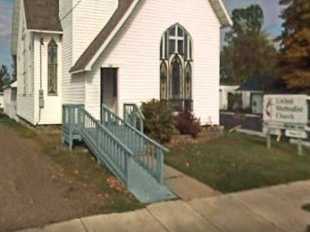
point(22, 130)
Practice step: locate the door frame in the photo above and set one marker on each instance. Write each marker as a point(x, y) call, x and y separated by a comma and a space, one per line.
point(102, 88)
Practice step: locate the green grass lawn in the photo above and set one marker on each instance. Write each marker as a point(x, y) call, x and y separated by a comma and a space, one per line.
point(81, 166)
point(237, 162)
point(23, 131)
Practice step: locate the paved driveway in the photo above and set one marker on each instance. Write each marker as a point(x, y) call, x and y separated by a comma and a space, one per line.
point(275, 209)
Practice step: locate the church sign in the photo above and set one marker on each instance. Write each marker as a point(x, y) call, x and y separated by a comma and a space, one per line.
point(286, 111)
point(286, 115)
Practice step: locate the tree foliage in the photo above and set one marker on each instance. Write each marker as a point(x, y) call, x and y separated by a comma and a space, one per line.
point(294, 58)
point(248, 51)
point(3, 76)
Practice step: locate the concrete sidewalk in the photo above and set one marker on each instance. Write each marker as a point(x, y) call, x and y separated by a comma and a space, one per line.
point(186, 187)
point(270, 209)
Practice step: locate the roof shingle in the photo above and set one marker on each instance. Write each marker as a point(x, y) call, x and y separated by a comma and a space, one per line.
point(89, 53)
point(42, 15)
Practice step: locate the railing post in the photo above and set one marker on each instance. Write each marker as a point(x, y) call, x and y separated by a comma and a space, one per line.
point(126, 169)
point(160, 165)
point(97, 135)
point(71, 127)
point(63, 124)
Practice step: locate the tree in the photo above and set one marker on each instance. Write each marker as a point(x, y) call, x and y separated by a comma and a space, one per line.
point(3, 76)
point(248, 52)
point(294, 58)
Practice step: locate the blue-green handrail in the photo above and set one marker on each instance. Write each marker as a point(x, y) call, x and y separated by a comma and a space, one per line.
point(134, 116)
point(70, 123)
point(105, 146)
point(147, 152)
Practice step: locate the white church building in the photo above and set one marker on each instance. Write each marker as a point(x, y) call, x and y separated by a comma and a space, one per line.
point(113, 52)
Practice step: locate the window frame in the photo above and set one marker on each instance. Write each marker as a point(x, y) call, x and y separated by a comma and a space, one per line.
point(54, 65)
point(176, 33)
point(164, 96)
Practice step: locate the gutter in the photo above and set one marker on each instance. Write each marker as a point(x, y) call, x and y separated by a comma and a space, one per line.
point(46, 31)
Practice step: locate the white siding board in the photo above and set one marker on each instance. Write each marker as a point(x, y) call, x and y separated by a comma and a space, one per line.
point(73, 88)
point(88, 19)
point(25, 99)
point(51, 113)
point(136, 52)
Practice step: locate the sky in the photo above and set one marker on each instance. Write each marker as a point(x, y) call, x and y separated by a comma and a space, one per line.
point(270, 7)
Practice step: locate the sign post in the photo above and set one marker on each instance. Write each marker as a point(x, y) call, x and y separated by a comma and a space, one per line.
point(286, 115)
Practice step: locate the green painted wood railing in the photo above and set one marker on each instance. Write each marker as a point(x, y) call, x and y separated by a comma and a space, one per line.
point(105, 146)
point(113, 140)
point(134, 116)
point(70, 124)
point(147, 152)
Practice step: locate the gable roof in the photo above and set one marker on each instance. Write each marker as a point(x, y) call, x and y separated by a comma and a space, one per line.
point(42, 15)
point(120, 16)
point(262, 82)
point(221, 12)
point(123, 7)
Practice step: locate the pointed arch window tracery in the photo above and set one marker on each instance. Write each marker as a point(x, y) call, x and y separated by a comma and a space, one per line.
point(176, 64)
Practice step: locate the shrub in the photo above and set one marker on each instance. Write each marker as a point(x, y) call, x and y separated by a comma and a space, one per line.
point(188, 124)
point(159, 121)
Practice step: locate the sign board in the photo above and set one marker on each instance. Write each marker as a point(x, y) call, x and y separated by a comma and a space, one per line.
point(272, 131)
point(296, 134)
point(285, 110)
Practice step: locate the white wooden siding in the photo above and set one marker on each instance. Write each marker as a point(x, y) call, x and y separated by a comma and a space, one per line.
point(136, 52)
point(88, 19)
point(80, 29)
point(25, 97)
point(73, 88)
point(52, 111)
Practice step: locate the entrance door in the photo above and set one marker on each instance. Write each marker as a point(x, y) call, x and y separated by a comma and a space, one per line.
point(109, 88)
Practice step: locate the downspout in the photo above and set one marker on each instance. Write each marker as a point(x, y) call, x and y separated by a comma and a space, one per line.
point(41, 96)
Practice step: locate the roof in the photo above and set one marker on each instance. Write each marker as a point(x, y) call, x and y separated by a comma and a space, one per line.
point(221, 12)
point(10, 86)
point(13, 84)
point(42, 15)
point(258, 83)
point(120, 12)
point(120, 16)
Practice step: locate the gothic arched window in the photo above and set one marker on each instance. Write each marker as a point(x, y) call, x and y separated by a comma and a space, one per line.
point(52, 67)
point(163, 80)
point(188, 81)
point(176, 77)
point(176, 54)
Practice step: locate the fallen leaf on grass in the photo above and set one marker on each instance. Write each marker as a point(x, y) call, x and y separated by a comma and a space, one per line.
point(114, 184)
point(76, 172)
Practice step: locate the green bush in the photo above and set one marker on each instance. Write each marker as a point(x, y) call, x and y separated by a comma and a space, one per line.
point(159, 120)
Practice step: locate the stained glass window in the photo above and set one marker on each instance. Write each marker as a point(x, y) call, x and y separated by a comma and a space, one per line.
point(176, 75)
point(176, 64)
point(52, 67)
point(163, 80)
point(188, 81)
